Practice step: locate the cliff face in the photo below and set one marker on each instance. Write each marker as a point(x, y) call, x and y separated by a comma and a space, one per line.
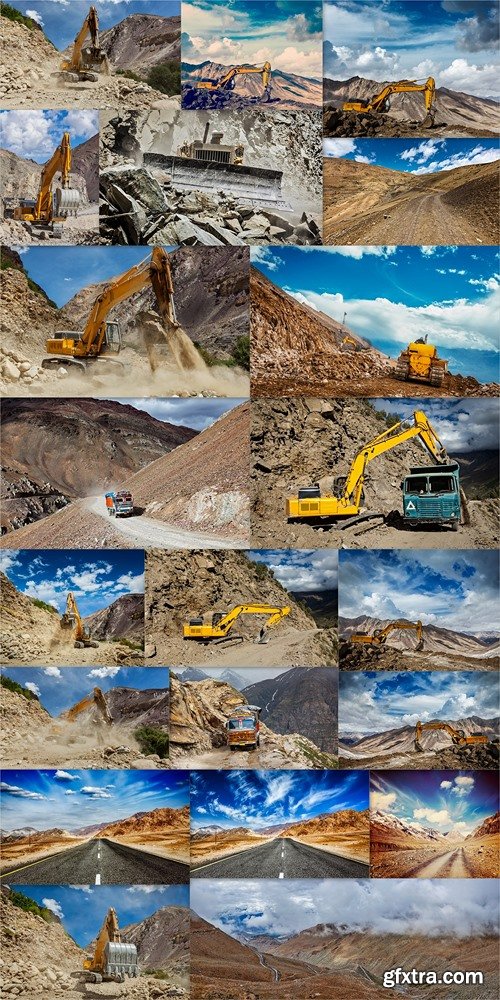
point(123, 618)
point(301, 700)
point(142, 41)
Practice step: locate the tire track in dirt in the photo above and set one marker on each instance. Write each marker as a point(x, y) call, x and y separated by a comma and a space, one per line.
point(451, 864)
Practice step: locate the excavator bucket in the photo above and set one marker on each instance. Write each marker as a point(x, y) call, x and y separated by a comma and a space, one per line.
point(429, 120)
point(418, 747)
point(419, 647)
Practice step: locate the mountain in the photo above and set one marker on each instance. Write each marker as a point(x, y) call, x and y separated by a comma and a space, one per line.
point(401, 740)
point(124, 617)
point(237, 681)
point(388, 832)
point(192, 674)
point(478, 473)
point(488, 828)
point(290, 89)
point(436, 638)
point(453, 107)
point(323, 605)
point(162, 940)
point(301, 700)
point(142, 41)
point(85, 161)
point(157, 821)
point(131, 707)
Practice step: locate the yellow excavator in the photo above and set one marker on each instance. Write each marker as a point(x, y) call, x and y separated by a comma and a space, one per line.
point(72, 619)
point(218, 629)
point(420, 362)
point(96, 698)
point(228, 80)
point(381, 102)
point(457, 736)
point(101, 337)
point(346, 499)
point(48, 212)
point(379, 636)
point(85, 62)
point(113, 960)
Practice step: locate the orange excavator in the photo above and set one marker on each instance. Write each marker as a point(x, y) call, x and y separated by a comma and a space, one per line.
point(228, 80)
point(457, 736)
point(86, 59)
point(46, 213)
point(72, 619)
point(381, 102)
point(379, 636)
point(96, 698)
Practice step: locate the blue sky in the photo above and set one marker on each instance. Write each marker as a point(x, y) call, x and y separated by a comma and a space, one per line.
point(76, 799)
point(374, 702)
point(60, 688)
point(34, 135)
point(463, 425)
point(447, 801)
point(63, 271)
point(288, 33)
point(301, 569)
point(196, 412)
point(463, 907)
point(427, 156)
point(452, 40)
point(95, 579)
point(82, 908)
point(62, 19)
point(391, 295)
point(457, 590)
point(258, 799)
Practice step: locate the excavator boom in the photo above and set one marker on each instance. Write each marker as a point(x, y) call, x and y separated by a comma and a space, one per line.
point(228, 80)
point(380, 102)
point(50, 207)
point(92, 57)
point(379, 637)
point(457, 736)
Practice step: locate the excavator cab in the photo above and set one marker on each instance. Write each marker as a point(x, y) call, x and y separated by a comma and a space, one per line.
point(113, 337)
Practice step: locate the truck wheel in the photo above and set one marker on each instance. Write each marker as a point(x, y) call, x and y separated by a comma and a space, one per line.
point(454, 525)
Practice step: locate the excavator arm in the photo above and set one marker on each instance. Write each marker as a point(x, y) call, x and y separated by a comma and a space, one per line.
point(275, 615)
point(112, 959)
point(96, 698)
point(380, 635)
point(379, 102)
point(227, 80)
point(457, 736)
point(80, 58)
point(60, 160)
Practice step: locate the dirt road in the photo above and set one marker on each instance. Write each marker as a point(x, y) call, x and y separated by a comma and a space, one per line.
point(419, 219)
point(287, 647)
point(451, 864)
point(146, 532)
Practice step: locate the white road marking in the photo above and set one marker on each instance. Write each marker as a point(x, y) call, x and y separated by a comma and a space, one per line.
point(98, 880)
point(281, 875)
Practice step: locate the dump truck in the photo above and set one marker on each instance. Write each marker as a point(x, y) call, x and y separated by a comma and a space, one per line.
point(45, 214)
point(379, 636)
point(119, 503)
point(113, 960)
point(457, 736)
point(242, 728)
point(72, 619)
point(419, 362)
point(217, 630)
point(381, 103)
point(438, 500)
point(85, 61)
point(101, 337)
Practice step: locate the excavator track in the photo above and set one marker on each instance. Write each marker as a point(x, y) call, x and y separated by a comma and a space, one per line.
point(401, 371)
point(226, 641)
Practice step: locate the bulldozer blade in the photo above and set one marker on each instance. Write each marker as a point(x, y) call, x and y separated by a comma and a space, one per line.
point(258, 186)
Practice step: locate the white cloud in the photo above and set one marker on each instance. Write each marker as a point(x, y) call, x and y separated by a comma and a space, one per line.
point(266, 257)
point(133, 583)
point(104, 672)
point(95, 792)
point(340, 147)
point(9, 560)
point(470, 78)
point(439, 817)
point(20, 793)
point(53, 905)
point(82, 123)
point(446, 784)
point(466, 158)
point(382, 800)
point(65, 776)
point(30, 686)
point(35, 16)
point(52, 671)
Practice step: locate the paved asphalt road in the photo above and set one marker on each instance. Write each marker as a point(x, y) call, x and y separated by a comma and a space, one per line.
point(96, 862)
point(282, 858)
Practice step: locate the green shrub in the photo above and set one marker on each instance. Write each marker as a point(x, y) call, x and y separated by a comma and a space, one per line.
point(11, 685)
point(14, 15)
point(152, 740)
point(241, 352)
point(30, 906)
point(42, 604)
point(129, 75)
point(166, 78)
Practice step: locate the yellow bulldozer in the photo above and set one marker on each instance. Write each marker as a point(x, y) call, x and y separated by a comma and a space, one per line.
point(379, 636)
point(45, 215)
point(457, 736)
point(217, 631)
point(419, 362)
point(381, 103)
point(113, 960)
point(72, 619)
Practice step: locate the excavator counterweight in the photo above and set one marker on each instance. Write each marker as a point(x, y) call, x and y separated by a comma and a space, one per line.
point(380, 102)
point(101, 338)
point(218, 629)
point(47, 213)
point(457, 736)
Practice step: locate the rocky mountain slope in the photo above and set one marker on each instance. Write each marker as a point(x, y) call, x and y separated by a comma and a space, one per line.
point(159, 821)
point(142, 41)
point(21, 176)
point(85, 159)
point(123, 618)
point(302, 441)
point(32, 635)
point(289, 89)
point(70, 448)
point(457, 113)
point(302, 700)
point(162, 941)
point(198, 713)
point(364, 203)
point(401, 739)
point(298, 350)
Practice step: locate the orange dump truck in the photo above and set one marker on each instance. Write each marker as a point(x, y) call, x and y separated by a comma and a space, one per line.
point(119, 504)
point(242, 728)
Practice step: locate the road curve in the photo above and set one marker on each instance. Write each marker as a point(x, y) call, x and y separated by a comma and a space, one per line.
point(99, 862)
point(146, 532)
point(281, 858)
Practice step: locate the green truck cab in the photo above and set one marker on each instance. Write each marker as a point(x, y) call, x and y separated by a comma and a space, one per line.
point(431, 495)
